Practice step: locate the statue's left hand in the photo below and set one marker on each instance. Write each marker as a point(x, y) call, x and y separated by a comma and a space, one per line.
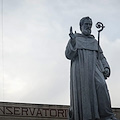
point(106, 72)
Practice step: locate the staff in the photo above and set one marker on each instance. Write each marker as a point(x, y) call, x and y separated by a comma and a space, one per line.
point(100, 26)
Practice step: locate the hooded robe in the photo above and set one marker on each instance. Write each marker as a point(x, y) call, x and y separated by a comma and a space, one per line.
point(89, 97)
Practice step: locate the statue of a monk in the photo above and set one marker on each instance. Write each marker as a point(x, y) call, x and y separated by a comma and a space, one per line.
point(89, 96)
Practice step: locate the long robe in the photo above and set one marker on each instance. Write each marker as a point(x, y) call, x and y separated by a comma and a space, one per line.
point(89, 97)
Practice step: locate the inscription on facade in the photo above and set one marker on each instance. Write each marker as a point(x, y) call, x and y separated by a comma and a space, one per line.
point(34, 111)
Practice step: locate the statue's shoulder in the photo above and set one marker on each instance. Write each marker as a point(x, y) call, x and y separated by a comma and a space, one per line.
point(92, 36)
point(78, 35)
point(81, 35)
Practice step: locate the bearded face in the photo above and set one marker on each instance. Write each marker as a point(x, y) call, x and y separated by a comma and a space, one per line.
point(86, 27)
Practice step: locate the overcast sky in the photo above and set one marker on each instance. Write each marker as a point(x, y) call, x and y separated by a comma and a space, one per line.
point(33, 67)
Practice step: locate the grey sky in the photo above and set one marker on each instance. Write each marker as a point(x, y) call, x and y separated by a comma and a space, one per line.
point(35, 33)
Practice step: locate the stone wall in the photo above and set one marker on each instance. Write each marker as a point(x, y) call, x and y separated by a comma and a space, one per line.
point(117, 112)
point(23, 111)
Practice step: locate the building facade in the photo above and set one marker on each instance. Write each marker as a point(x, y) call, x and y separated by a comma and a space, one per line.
point(24, 111)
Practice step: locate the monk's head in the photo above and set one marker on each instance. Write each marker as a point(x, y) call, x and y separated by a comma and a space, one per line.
point(86, 25)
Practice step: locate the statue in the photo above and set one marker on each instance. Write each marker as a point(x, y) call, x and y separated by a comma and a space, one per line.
point(89, 96)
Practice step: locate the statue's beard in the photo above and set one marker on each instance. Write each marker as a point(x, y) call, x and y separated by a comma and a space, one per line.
point(86, 32)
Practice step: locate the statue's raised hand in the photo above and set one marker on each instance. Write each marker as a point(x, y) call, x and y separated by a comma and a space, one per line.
point(71, 34)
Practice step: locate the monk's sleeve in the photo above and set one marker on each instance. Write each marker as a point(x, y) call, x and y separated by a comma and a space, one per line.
point(71, 50)
point(104, 62)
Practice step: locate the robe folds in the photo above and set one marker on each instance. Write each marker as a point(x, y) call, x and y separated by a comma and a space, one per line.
point(85, 75)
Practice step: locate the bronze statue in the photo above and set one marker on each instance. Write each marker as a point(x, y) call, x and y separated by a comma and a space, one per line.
point(89, 96)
